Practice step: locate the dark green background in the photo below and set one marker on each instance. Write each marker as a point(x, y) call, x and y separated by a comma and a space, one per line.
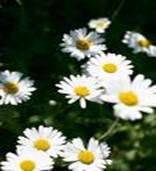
point(29, 39)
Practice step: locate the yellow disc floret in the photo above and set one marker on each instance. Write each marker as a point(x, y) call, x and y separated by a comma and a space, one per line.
point(11, 88)
point(27, 165)
point(102, 24)
point(83, 44)
point(128, 98)
point(110, 67)
point(82, 91)
point(42, 144)
point(144, 43)
point(86, 157)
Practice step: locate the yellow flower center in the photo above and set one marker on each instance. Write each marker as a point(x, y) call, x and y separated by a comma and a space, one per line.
point(10, 88)
point(101, 24)
point(144, 43)
point(82, 91)
point(110, 68)
point(128, 98)
point(83, 44)
point(27, 165)
point(86, 157)
point(42, 144)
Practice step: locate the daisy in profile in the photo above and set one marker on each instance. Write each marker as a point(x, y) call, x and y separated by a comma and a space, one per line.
point(94, 157)
point(14, 89)
point(108, 66)
point(139, 43)
point(27, 160)
point(46, 139)
point(131, 97)
point(100, 24)
point(81, 44)
point(80, 88)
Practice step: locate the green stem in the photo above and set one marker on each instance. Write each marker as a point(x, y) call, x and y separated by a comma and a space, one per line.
point(116, 12)
point(110, 130)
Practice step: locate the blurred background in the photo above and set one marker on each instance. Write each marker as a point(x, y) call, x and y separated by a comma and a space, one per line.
point(30, 34)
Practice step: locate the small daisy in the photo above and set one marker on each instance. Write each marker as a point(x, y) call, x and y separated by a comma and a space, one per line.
point(80, 88)
point(94, 157)
point(81, 44)
point(44, 139)
point(139, 43)
point(14, 89)
point(131, 97)
point(100, 24)
point(108, 66)
point(27, 160)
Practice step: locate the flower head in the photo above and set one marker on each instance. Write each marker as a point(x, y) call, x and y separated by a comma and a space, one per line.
point(131, 97)
point(44, 139)
point(81, 44)
point(100, 24)
point(14, 89)
point(27, 160)
point(108, 66)
point(93, 157)
point(80, 88)
point(139, 43)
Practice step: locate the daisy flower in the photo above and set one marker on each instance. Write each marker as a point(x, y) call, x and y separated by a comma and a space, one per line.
point(46, 139)
point(139, 43)
point(80, 88)
point(27, 160)
point(14, 89)
point(131, 97)
point(81, 44)
point(100, 24)
point(94, 157)
point(108, 66)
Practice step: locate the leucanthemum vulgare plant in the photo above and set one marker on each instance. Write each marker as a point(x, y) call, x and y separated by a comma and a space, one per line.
point(14, 89)
point(112, 82)
point(80, 44)
point(39, 148)
point(139, 43)
point(100, 24)
point(105, 78)
point(44, 139)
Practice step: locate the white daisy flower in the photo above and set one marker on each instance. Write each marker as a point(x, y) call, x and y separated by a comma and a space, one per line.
point(46, 139)
point(108, 66)
point(81, 44)
point(80, 88)
point(131, 97)
point(139, 43)
point(14, 89)
point(94, 157)
point(100, 24)
point(27, 160)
